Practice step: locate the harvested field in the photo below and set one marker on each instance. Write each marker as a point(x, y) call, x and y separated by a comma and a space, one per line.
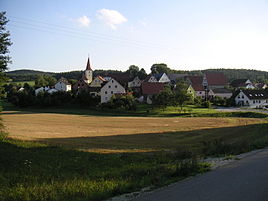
point(120, 134)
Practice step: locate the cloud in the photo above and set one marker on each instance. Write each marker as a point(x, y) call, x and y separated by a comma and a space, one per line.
point(83, 21)
point(112, 18)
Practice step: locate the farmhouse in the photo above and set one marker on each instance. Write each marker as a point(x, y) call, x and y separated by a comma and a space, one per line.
point(222, 93)
point(214, 80)
point(149, 89)
point(63, 85)
point(109, 89)
point(242, 83)
point(252, 98)
point(136, 82)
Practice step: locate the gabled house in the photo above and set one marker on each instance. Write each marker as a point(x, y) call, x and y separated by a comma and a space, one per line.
point(162, 78)
point(63, 85)
point(136, 82)
point(122, 78)
point(261, 86)
point(45, 89)
point(97, 82)
point(109, 89)
point(86, 79)
point(222, 93)
point(242, 83)
point(252, 98)
point(174, 77)
point(149, 89)
point(150, 78)
point(214, 80)
point(196, 83)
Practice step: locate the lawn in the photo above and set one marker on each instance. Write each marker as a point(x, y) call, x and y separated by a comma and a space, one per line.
point(31, 83)
point(77, 155)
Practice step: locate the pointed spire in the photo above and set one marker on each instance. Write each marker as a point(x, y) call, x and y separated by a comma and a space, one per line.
point(88, 65)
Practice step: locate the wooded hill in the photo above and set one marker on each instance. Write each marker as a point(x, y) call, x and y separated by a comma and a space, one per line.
point(231, 74)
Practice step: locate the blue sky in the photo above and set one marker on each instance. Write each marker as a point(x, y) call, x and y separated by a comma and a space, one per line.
point(58, 35)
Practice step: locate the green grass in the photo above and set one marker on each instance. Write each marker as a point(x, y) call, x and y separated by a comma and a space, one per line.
point(36, 171)
point(32, 171)
point(31, 83)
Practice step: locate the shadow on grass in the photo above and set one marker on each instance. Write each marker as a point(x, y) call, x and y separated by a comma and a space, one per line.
point(35, 171)
point(194, 140)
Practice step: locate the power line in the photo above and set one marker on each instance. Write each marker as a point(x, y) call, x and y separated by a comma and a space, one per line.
point(97, 36)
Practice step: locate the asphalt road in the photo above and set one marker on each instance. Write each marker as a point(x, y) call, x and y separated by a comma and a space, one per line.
point(242, 180)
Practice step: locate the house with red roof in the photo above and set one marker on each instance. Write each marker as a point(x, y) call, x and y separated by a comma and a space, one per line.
point(214, 80)
point(151, 88)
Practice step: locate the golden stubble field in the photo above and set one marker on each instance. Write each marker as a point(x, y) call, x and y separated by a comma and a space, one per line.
point(117, 134)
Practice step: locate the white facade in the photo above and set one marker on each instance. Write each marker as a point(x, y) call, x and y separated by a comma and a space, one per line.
point(88, 76)
point(243, 100)
point(109, 89)
point(136, 82)
point(45, 89)
point(223, 95)
point(164, 78)
point(249, 85)
point(61, 86)
point(152, 79)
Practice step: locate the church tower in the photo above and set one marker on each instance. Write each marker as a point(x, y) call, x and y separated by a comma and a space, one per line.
point(88, 73)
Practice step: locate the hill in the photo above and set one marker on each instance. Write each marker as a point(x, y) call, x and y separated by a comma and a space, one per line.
point(231, 74)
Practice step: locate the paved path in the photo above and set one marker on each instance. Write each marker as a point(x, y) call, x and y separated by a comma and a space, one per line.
point(243, 180)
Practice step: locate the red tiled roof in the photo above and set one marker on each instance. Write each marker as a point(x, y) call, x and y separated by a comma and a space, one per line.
point(122, 78)
point(150, 88)
point(198, 87)
point(216, 79)
point(196, 80)
point(101, 78)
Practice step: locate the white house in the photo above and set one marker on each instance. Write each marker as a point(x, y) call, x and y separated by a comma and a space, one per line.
point(45, 89)
point(242, 83)
point(136, 82)
point(63, 85)
point(252, 98)
point(162, 77)
point(110, 88)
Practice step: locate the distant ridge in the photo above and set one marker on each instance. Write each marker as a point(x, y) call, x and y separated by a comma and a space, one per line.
point(27, 71)
point(231, 74)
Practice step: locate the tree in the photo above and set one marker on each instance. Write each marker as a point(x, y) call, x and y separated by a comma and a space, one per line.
point(5, 42)
point(133, 71)
point(164, 98)
point(142, 74)
point(181, 95)
point(45, 80)
point(160, 68)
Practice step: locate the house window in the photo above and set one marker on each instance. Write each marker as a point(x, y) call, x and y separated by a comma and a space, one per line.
point(109, 86)
point(105, 92)
point(112, 81)
point(243, 97)
point(200, 92)
point(115, 86)
point(112, 92)
point(254, 101)
point(238, 96)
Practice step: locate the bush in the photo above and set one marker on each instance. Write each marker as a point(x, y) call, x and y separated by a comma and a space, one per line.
point(124, 102)
point(206, 104)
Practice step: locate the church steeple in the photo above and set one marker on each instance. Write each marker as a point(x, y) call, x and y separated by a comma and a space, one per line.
point(88, 65)
point(88, 73)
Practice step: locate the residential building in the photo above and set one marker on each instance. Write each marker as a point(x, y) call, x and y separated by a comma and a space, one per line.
point(109, 89)
point(242, 83)
point(252, 98)
point(63, 85)
point(149, 89)
point(136, 82)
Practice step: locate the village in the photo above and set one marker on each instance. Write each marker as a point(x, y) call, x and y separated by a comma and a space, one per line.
point(206, 87)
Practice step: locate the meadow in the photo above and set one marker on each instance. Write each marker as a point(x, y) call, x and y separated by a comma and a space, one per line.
point(77, 154)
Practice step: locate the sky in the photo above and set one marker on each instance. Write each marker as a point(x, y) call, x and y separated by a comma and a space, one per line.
point(59, 35)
